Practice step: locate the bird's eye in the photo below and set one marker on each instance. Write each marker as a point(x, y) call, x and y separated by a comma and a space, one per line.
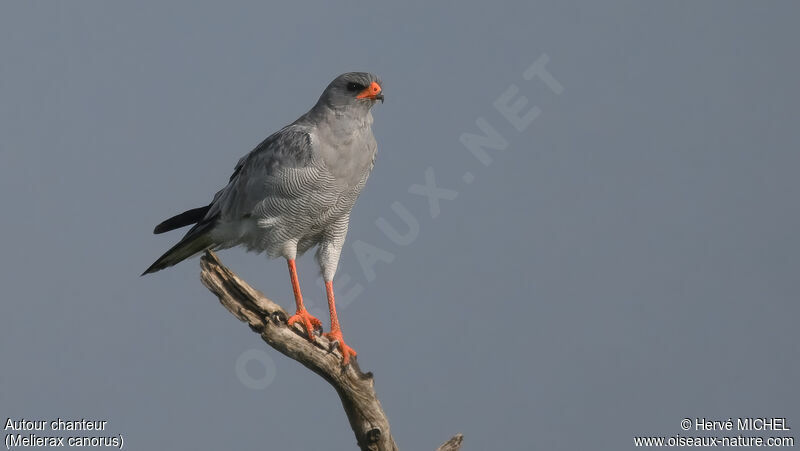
point(355, 87)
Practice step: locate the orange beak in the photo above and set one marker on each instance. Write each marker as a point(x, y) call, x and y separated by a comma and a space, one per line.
point(372, 92)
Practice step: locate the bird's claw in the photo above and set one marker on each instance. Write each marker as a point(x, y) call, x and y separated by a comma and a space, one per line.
point(335, 336)
point(309, 322)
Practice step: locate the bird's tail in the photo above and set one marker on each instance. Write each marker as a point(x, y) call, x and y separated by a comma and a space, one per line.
point(197, 240)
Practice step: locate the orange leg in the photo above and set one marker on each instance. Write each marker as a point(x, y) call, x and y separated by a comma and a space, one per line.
point(302, 315)
point(336, 332)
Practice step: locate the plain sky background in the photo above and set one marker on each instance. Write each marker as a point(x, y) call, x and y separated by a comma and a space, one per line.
point(629, 260)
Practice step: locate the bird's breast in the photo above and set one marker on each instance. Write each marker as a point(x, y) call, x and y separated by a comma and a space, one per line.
point(346, 147)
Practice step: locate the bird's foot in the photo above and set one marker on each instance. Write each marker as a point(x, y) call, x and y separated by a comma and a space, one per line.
point(309, 322)
point(347, 351)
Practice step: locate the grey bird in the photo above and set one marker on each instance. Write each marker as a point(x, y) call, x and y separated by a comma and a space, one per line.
point(292, 192)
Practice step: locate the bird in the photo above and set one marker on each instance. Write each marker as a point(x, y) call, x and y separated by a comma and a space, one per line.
point(294, 191)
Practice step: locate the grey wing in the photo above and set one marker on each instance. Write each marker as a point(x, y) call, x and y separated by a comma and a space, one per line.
point(279, 178)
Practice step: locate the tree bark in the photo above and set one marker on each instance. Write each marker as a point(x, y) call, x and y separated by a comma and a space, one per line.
point(356, 389)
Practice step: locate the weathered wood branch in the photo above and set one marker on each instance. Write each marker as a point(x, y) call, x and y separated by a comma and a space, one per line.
point(454, 444)
point(356, 389)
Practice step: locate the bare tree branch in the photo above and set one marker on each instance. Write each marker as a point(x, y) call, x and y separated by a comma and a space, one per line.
point(356, 389)
point(454, 444)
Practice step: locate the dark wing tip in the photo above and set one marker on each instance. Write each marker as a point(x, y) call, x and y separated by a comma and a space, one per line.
point(161, 228)
point(184, 219)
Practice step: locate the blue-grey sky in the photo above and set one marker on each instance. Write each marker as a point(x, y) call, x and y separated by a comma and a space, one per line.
point(628, 260)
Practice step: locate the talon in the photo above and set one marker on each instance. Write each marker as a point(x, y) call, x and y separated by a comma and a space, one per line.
point(336, 337)
point(309, 322)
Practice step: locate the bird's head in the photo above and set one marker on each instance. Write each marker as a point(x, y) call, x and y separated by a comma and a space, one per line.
point(359, 89)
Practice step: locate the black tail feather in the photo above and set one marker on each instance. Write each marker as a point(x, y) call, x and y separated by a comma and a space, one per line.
point(184, 219)
point(197, 240)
